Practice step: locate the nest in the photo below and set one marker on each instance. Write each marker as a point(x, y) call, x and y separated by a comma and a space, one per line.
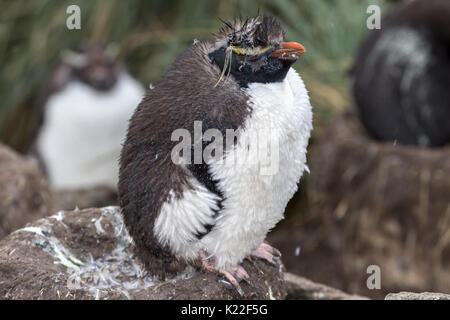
point(371, 203)
point(88, 254)
point(24, 193)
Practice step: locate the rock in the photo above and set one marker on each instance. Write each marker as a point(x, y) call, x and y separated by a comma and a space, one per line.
point(24, 193)
point(88, 254)
point(417, 296)
point(299, 288)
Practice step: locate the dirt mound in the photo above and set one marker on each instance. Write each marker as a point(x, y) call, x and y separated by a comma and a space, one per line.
point(371, 203)
point(88, 254)
point(24, 193)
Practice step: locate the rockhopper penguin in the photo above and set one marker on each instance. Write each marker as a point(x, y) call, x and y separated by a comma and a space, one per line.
point(214, 214)
point(402, 75)
point(84, 118)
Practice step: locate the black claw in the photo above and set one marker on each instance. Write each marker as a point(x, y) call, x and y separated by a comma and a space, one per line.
point(230, 286)
point(240, 291)
point(227, 284)
point(276, 253)
point(247, 281)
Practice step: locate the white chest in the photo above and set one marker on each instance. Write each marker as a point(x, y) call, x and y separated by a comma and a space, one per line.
point(83, 130)
point(261, 175)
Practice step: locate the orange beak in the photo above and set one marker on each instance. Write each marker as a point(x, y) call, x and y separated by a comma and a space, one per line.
point(289, 50)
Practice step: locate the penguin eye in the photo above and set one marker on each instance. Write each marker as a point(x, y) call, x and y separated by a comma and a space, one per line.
point(250, 51)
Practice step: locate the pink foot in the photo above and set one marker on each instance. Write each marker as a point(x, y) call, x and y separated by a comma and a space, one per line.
point(233, 274)
point(266, 252)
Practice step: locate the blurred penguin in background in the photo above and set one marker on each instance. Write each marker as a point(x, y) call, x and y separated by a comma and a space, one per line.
point(84, 117)
point(402, 75)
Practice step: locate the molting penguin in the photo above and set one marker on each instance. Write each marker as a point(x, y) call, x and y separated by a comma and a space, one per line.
point(215, 213)
point(402, 75)
point(89, 101)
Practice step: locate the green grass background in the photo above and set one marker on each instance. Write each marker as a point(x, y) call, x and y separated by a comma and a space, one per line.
point(150, 34)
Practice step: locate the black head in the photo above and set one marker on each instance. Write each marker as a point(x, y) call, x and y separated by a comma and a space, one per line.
point(254, 51)
point(96, 66)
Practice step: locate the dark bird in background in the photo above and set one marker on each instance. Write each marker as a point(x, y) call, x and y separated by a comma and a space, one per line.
point(216, 213)
point(83, 114)
point(402, 75)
